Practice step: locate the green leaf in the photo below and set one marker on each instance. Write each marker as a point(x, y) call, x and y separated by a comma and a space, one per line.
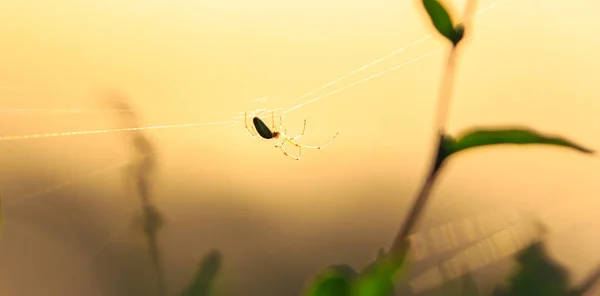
point(203, 282)
point(522, 136)
point(442, 21)
point(378, 278)
point(334, 280)
point(376, 283)
point(538, 274)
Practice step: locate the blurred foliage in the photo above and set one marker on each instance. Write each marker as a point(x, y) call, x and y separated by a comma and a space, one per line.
point(1, 216)
point(334, 280)
point(140, 173)
point(536, 274)
point(377, 279)
point(464, 286)
point(469, 285)
point(203, 282)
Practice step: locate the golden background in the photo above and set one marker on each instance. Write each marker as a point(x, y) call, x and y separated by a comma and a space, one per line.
point(277, 220)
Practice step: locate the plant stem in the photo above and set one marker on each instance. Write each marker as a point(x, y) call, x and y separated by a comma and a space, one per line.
point(446, 90)
point(400, 245)
point(588, 284)
point(152, 218)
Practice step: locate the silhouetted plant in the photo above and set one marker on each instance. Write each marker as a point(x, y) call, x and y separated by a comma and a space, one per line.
point(140, 173)
point(448, 145)
point(537, 274)
point(445, 146)
point(140, 176)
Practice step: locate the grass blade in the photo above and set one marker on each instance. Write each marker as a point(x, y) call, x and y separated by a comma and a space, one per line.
point(203, 282)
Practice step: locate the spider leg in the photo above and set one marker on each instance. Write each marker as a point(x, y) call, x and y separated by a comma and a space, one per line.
point(281, 124)
point(253, 135)
point(273, 119)
point(280, 146)
point(301, 135)
point(311, 147)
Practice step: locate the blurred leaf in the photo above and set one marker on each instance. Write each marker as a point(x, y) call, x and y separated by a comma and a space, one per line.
point(203, 282)
point(442, 21)
point(334, 280)
point(378, 282)
point(469, 285)
point(486, 137)
point(378, 278)
point(537, 274)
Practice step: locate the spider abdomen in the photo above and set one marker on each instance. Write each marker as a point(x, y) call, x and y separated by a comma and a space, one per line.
point(262, 128)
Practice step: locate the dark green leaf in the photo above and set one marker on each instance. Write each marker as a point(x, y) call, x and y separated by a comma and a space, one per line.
point(486, 137)
point(334, 280)
point(203, 282)
point(442, 21)
point(537, 274)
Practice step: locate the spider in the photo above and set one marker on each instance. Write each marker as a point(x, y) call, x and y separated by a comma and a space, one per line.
point(266, 133)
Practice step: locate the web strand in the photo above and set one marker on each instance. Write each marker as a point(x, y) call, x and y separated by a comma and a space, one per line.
point(90, 132)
